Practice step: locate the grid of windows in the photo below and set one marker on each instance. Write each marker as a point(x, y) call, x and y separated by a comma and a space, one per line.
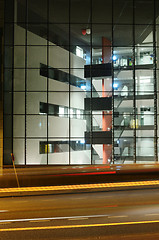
point(94, 61)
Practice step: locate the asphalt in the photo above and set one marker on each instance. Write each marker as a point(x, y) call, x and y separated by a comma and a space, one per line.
point(131, 215)
point(45, 176)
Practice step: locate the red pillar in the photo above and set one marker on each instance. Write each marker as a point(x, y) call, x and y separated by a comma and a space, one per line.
point(106, 92)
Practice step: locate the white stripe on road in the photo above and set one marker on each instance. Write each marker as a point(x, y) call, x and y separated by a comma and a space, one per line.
point(51, 218)
point(152, 214)
point(77, 219)
point(117, 216)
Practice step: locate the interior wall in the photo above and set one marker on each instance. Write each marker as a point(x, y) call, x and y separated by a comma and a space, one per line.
point(36, 125)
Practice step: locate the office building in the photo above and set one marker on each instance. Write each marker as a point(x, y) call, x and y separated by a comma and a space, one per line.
point(80, 81)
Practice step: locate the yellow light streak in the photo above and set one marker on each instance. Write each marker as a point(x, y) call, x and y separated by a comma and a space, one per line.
point(80, 186)
point(77, 226)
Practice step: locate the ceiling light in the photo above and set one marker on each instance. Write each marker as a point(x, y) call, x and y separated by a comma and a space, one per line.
point(114, 58)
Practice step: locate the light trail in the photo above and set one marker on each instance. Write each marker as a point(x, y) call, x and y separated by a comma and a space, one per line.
point(50, 218)
point(76, 226)
point(80, 186)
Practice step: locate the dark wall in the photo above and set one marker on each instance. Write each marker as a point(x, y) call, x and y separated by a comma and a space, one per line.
point(8, 80)
point(1, 34)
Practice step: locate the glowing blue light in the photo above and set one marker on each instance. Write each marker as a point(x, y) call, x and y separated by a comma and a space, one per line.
point(82, 141)
point(115, 85)
point(114, 58)
point(83, 87)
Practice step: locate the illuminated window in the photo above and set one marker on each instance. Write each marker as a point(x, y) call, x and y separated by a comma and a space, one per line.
point(79, 52)
point(61, 111)
point(78, 113)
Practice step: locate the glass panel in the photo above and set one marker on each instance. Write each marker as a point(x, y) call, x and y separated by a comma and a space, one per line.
point(144, 84)
point(58, 58)
point(97, 154)
point(19, 34)
point(58, 79)
point(80, 152)
point(18, 126)
point(33, 156)
point(157, 33)
point(144, 56)
point(58, 127)
point(35, 98)
point(8, 76)
point(58, 11)
point(19, 103)
point(123, 149)
point(145, 131)
point(127, 32)
point(122, 58)
point(9, 28)
point(144, 36)
point(123, 11)
point(36, 55)
point(37, 34)
point(7, 103)
point(77, 80)
point(19, 57)
point(58, 120)
point(147, 15)
point(58, 34)
point(80, 35)
point(37, 11)
point(146, 116)
point(145, 150)
point(100, 31)
point(101, 11)
point(36, 126)
point(58, 151)
point(36, 79)
point(78, 9)
point(19, 79)
point(19, 150)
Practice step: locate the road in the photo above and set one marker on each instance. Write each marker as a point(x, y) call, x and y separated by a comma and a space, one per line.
point(65, 175)
point(129, 214)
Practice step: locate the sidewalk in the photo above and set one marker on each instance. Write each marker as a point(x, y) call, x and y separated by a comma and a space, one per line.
point(68, 179)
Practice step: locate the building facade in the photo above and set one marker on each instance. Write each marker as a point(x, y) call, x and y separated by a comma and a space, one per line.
point(80, 82)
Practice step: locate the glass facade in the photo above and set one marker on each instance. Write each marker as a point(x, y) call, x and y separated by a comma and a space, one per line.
point(81, 81)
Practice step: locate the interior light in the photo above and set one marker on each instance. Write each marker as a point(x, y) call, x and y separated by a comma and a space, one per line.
point(61, 111)
point(82, 141)
point(115, 85)
point(114, 58)
point(88, 31)
point(83, 87)
point(71, 113)
point(78, 113)
point(145, 80)
point(79, 51)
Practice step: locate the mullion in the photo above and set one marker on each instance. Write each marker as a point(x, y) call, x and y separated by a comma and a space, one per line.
point(155, 84)
point(134, 83)
point(113, 83)
point(47, 127)
point(26, 20)
point(69, 97)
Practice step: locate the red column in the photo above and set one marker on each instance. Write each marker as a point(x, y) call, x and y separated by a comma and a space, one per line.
point(106, 92)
